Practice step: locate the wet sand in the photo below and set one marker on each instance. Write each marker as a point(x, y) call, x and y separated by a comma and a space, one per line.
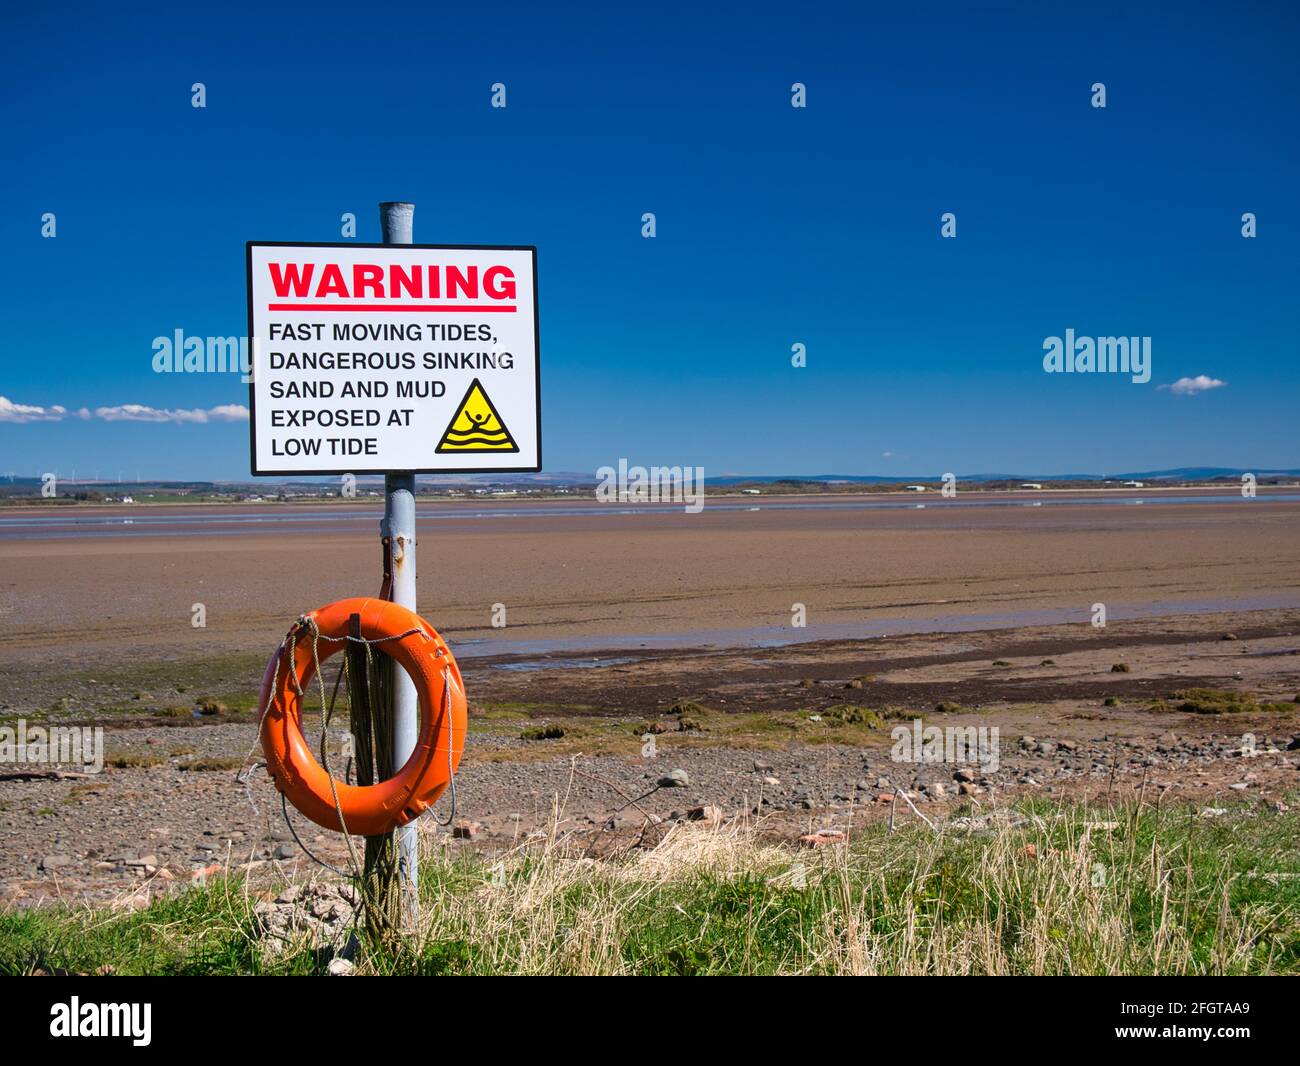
point(600, 578)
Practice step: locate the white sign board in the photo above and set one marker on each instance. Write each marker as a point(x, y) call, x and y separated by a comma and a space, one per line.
point(379, 358)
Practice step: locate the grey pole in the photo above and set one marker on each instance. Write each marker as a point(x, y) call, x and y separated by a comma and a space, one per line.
point(396, 224)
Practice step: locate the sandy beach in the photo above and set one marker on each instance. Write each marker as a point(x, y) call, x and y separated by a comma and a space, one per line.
point(620, 573)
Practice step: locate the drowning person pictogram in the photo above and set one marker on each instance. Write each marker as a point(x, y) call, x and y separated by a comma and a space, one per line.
point(476, 426)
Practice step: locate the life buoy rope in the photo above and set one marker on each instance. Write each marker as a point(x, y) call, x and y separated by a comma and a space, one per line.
point(451, 770)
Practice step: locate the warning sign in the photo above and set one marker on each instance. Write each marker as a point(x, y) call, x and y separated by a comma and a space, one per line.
point(379, 358)
point(476, 426)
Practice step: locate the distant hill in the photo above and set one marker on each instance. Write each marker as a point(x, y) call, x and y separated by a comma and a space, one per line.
point(1202, 473)
point(1187, 473)
point(13, 485)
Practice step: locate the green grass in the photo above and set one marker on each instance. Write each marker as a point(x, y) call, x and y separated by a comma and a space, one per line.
point(176, 712)
point(201, 931)
point(213, 764)
point(132, 760)
point(542, 732)
point(567, 730)
point(1160, 892)
point(130, 686)
point(1219, 701)
point(850, 715)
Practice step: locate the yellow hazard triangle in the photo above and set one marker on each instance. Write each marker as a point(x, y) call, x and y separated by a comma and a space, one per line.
point(476, 426)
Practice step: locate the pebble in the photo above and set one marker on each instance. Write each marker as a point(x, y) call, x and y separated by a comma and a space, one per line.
point(801, 782)
point(315, 914)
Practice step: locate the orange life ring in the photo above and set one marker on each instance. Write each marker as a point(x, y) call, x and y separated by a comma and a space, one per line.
point(369, 810)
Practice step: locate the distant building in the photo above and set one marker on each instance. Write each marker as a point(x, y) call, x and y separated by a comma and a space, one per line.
point(914, 488)
point(1031, 485)
point(1133, 485)
point(752, 492)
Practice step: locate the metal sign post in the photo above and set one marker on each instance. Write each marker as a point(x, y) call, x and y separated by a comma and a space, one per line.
point(396, 223)
point(396, 359)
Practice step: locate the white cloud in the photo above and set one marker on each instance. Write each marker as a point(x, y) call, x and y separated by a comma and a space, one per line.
point(18, 413)
point(1191, 386)
point(229, 412)
point(26, 412)
point(136, 412)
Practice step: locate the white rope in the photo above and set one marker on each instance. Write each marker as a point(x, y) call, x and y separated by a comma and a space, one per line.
point(451, 768)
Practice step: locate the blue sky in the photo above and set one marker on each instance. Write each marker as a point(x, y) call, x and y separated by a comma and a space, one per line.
point(776, 225)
